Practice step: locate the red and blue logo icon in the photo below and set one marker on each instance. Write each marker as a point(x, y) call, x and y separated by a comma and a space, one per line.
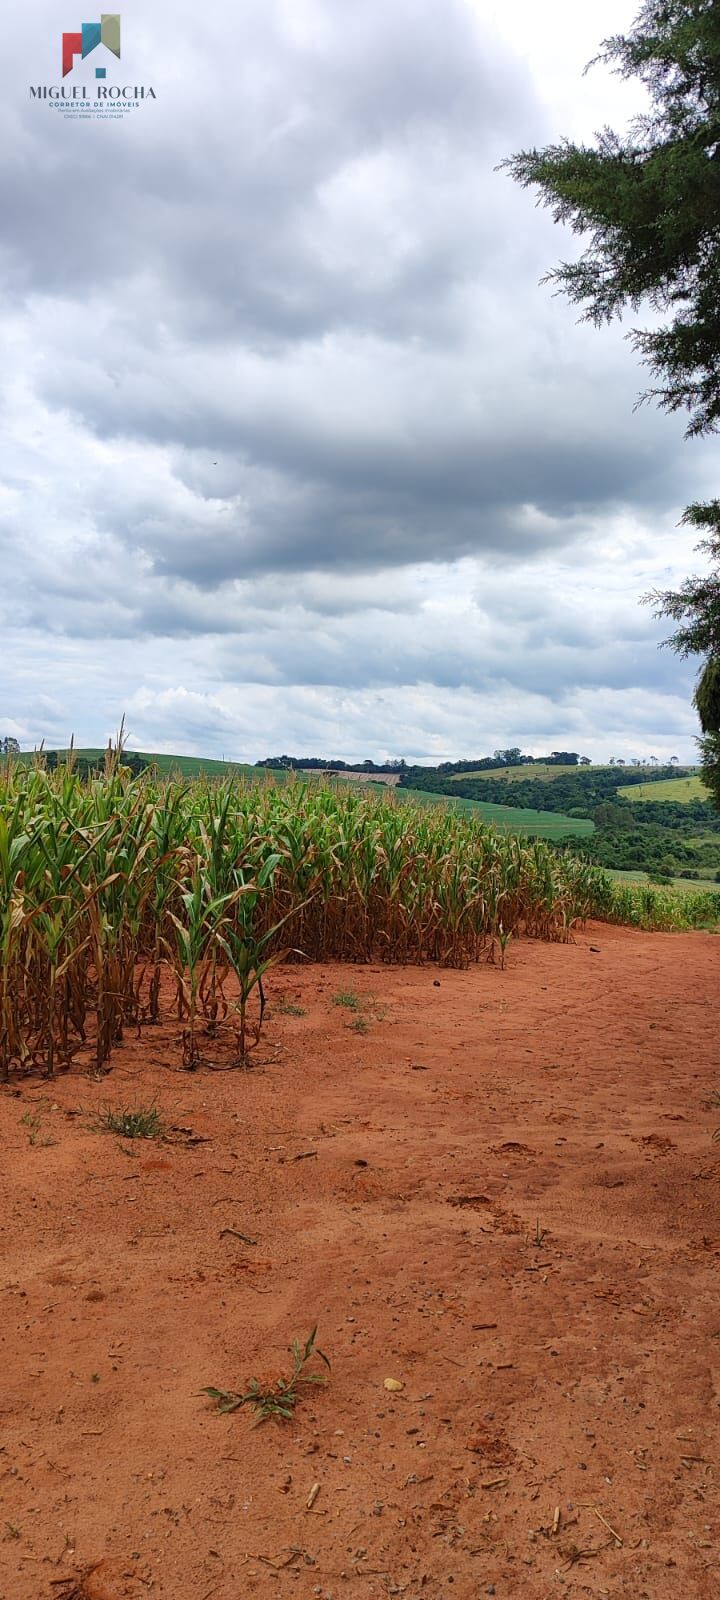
point(106, 32)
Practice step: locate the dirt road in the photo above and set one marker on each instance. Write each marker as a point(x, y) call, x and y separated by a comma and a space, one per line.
point(497, 1188)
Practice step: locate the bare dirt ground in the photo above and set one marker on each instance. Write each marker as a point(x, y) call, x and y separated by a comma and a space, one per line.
point(500, 1190)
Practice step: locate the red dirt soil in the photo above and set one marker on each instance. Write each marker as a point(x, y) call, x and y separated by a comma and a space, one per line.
point(501, 1191)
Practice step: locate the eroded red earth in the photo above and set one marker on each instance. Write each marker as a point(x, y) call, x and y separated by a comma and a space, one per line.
point(500, 1190)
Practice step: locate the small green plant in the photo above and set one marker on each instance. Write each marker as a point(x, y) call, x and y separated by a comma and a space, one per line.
point(346, 998)
point(275, 1397)
point(365, 1009)
point(140, 1122)
point(34, 1124)
point(290, 1011)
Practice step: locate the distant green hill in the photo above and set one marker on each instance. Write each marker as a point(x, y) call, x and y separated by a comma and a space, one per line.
point(658, 821)
point(186, 766)
point(194, 766)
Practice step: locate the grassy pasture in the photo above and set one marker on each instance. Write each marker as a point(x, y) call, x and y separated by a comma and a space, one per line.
point(513, 819)
point(199, 766)
point(682, 885)
point(680, 790)
point(541, 770)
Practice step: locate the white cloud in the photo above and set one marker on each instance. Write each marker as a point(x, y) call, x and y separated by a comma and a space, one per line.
point(295, 452)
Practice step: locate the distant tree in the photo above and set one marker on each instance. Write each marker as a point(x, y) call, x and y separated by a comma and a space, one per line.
point(674, 761)
point(607, 815)
point(660, 874)
point(9, 746)
point(585, 761)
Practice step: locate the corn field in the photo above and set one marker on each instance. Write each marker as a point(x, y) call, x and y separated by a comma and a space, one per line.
point(119, 892)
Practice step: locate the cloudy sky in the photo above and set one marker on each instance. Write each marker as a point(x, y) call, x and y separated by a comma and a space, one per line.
point(295, 452)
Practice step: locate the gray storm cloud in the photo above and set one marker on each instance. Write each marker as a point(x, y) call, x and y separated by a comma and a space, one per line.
point(283, 403)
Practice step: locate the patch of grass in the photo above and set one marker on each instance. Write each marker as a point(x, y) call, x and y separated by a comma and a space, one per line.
point(684, 885)
point(364, 1007)
point(275, 1397)
point(289, 1011)
point(681, 790)
point(348, 999)
point(33, 1121)
point(139, 1122)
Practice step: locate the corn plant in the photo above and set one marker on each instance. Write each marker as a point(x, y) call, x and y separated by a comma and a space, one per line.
point(118, 894)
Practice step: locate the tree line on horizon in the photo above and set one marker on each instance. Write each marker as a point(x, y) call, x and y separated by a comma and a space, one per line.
point(513, 756)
